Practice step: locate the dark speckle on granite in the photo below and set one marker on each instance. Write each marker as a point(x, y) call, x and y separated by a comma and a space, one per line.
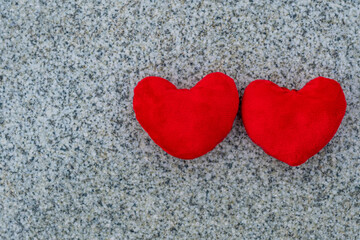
point(75, 163)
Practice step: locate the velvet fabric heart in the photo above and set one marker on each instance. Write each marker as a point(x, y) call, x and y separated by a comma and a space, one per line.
point(187, 123)
point(292, 125)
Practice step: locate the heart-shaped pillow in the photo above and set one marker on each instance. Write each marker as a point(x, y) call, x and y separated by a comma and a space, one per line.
point(291, 125)
point(187, 123)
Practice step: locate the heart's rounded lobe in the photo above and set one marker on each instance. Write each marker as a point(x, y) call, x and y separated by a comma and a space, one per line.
point(291, 125)
point(187, 123)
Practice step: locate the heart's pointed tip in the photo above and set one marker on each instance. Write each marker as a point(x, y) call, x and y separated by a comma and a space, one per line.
point(296, 164)
point(292, 161)
point(295, 160)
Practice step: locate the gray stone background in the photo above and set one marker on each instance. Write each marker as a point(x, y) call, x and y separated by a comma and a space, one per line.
point(75, 163)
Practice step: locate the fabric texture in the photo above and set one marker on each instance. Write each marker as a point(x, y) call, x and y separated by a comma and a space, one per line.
point(187, 123)
point(292, 125)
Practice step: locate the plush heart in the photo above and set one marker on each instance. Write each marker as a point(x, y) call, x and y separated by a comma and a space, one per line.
point(292, 126)
point(187, 123)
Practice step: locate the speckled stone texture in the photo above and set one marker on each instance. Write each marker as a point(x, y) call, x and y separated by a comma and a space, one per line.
point(75, 163)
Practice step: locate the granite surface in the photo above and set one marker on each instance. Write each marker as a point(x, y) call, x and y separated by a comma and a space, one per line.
point(75, 163)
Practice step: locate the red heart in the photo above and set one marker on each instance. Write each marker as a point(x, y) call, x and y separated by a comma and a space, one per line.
point(292, 126)
point(187, 123)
